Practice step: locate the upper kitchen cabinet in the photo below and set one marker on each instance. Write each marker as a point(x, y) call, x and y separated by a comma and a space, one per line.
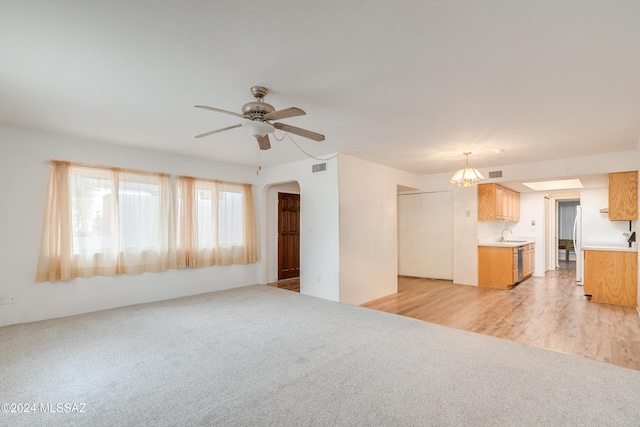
point(498, 203)
point(623, 196)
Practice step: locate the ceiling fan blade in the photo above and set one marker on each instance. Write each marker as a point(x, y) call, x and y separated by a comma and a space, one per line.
point(283, 114)
point(298, 131)
point(218, 130)
point(263, 142)
point(205, 107)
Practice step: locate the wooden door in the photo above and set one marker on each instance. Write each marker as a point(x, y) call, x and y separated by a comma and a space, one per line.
point(288, 235)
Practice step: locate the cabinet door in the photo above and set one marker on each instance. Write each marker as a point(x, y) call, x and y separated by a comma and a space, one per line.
point(611, 277)
point(497, 203)
point(530, 260)
point(501, 203)
point(495, 266)
point(623, 196)
point(486, 202)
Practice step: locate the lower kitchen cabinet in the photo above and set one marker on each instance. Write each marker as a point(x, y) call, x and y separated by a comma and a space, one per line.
point(611, 276)
point(498, 265)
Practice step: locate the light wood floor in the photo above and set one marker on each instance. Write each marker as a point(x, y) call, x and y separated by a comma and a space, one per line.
point(288, 284)
point(549, 312)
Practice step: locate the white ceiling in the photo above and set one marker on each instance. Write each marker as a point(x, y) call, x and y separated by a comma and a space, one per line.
point(409, 84)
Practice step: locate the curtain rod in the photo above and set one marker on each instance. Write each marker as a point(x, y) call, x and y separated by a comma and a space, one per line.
point(90, 165)
point(113, 168)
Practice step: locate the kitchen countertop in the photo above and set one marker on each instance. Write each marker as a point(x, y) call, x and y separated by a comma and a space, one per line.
point(507, 243)
point(618, 248)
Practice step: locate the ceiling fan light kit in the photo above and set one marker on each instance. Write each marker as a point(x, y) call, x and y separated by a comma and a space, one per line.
point(257, 116)
point(258, 128)
point(466, 177)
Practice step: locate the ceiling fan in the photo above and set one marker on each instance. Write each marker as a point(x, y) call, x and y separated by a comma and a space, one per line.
point(257, 117)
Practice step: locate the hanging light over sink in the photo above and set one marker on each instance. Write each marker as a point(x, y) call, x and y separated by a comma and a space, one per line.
point(467, 176)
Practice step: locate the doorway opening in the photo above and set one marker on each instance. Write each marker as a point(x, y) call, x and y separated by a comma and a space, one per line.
point(567, 253)
point(283, 228)
point(561, 211)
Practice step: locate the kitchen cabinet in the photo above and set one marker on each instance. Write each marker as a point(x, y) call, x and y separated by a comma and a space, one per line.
point(498, 203)
point(528, 259)
point(611, 276)
point(623, 196)
point(498, 265)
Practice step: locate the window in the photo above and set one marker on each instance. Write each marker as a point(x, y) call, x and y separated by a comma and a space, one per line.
point(228, 218)
point(230, 208)
point(106, 221)
point(216, 223)
point(102, 221)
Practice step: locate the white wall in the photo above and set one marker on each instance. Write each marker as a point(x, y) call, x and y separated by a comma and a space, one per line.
point(619, 161)
point(368, 229)
point(596, 226)
point(23, 184)
point(319, 225)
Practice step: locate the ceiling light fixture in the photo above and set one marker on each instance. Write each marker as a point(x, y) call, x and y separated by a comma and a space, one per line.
point(562, 184)
point(468, 176)
point(258, 128)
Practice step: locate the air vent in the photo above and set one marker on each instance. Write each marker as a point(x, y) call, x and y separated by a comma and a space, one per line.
point(495, 174)
point(320, 167)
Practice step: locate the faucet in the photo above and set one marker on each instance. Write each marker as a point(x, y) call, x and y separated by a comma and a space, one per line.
point(502, 234)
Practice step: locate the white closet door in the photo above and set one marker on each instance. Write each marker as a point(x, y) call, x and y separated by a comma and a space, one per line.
point(425, 235)
point(409, 240)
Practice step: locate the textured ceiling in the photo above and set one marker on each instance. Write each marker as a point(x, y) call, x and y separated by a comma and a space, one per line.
point(409, 84)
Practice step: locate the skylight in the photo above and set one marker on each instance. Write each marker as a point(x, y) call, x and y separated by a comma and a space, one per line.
point(562, 184)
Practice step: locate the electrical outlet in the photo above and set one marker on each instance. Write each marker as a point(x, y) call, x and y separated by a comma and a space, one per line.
point(11, 299)
point(3, 300)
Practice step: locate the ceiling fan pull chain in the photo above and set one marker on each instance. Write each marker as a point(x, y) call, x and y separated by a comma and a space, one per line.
point(302, 149)
point(259, 168)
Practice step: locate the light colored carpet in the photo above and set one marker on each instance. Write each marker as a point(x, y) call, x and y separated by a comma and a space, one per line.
point(261, 356)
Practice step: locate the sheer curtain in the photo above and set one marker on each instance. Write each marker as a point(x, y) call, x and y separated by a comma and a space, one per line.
point(216, 223)
point(106, 221)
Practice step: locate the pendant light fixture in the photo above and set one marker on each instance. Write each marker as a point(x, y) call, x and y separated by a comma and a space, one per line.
point(466, 177)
